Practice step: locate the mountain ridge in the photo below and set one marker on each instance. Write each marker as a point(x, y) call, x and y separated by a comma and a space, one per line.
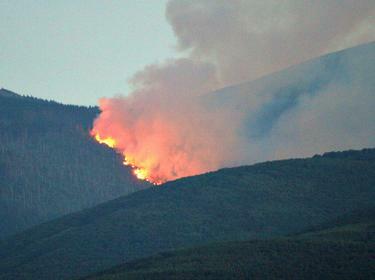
point(8, 93)
point(259, 201)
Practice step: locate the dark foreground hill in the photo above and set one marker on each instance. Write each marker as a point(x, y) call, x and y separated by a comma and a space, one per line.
point(49, 166)
point(338, 252)
point(252, 202)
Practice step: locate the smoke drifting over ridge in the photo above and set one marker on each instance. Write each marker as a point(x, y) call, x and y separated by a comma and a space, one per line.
point(168, 127)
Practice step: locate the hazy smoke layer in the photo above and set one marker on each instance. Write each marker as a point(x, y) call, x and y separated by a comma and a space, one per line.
point(169, 130)
point(246, 39)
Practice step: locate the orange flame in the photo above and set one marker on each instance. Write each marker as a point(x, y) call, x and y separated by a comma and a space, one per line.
point(110, 142)
point(140, 173)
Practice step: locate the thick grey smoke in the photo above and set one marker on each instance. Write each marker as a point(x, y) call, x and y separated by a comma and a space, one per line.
point(247, 39)
point(171, 126)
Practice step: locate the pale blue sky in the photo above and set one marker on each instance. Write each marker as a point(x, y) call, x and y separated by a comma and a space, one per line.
point(77, 51)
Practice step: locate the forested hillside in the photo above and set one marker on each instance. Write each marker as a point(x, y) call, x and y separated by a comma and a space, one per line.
point(49, 165)
point(262, 201)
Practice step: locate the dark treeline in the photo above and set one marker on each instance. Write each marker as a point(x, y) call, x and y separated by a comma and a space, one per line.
point(49, 165)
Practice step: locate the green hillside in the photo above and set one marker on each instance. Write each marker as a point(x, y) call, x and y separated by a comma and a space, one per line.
point(252, 202)
point(49, 165)
point(342, 252)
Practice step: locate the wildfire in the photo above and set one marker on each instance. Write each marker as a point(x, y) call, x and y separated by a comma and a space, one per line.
point(140, 173)
point(110, 142)
point(160, 144)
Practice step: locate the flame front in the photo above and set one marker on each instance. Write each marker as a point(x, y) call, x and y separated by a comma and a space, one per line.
point(139, 172)
point(110, 142)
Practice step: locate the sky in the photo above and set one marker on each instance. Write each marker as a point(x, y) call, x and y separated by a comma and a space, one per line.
point(78, 51)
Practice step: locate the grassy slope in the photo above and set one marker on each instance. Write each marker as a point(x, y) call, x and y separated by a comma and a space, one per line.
point(343, 251)
point(260, 201)
point(321, 255)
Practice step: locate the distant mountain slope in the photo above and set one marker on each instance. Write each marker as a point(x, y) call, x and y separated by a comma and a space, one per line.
point(320, 105)
point(339, 252)
point(251, 202)
point(49, 166)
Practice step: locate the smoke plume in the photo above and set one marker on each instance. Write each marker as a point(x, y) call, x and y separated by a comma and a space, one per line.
point(171, 126)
